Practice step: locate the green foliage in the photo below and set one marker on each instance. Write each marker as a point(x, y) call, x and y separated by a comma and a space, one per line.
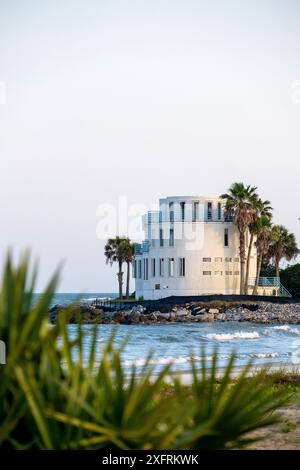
point(290, 277)
point(53, 396)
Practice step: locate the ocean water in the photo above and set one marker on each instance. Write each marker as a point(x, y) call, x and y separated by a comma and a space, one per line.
point(176, 342)
point(68, 298)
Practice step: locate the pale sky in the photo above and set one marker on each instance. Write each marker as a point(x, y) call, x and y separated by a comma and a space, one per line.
point(141, 99)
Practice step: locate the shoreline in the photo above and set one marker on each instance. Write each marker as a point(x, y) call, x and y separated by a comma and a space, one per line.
point(190, 312)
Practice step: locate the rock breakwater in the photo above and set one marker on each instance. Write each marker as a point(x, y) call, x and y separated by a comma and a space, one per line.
point(193, 312)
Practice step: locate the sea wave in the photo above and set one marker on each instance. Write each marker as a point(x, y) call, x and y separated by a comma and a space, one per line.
point(171, 360)
point(229, 336)
point(281, 327)
point(264, 355)
point(288, 329)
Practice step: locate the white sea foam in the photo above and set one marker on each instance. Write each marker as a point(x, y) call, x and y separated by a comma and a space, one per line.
point(288, 329)
point(170, 360)
point(158, 361)
point(229, 336)
point(281, 327)
point(263, 355)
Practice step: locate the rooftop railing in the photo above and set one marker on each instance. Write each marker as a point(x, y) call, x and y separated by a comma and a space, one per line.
point(175, 215)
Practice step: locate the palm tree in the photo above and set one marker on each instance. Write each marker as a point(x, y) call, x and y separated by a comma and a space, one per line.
point(128, 257)
point(283, 245)
point(239, 207)
point(262, 228)
point(114, 251)
point(261, 209)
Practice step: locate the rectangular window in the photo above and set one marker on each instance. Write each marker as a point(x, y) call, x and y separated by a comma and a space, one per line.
point(171, 267)
point(209, 210)
point(171, 237)
point(181, 266)
point(153, 267)
point(134, 268)
point(226, 237)
point(218, 260)
point(140, 269)
point(171, 211)
point(161, 267)
point(219, 211)
point(182, 210)
point(236, 273)
point(228, 273)
point(218, 273)
point(206, 260)
point(161, 237)
point(146, 269)
point(206, 273)
point(228, 260)
point(195, 211)
point(236, 260)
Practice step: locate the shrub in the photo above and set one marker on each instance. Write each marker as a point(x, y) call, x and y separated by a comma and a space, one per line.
point(54, 397)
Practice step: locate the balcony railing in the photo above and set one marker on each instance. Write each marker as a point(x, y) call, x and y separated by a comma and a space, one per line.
point(137, 249)
point(175, 215)
point(271, 282)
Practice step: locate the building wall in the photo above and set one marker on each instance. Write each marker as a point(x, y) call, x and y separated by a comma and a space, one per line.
point(200, 242)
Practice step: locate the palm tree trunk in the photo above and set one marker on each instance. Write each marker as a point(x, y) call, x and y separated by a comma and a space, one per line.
point(120, 280)
point(128, 280)
point(277, 268)
point(248, 262)
point(242, 261)
point(257, 274)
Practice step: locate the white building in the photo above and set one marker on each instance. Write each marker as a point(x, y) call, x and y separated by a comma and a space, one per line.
point(189, 249)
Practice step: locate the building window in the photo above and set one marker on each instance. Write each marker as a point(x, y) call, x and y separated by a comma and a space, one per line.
point(219, 211)
point(218, 260)
point(236, 260)
point(228, 260)
point(182, 210)
point(140, 269)
point(153, 267)
point(206, 260)
point(218, 273)
point(145, 269)
point(228, 273)
point(171, 237)
point(206, 273)
point(209, 210)
point(161, 267)
point(134, 268)
point(181, 266)
point(171, 267)
point(236, 273)
point(195, 211)
point(161, 237)
point(226, 237)
point(171, 211)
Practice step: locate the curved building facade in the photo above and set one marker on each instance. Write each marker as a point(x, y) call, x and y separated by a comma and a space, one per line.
point(189, 249)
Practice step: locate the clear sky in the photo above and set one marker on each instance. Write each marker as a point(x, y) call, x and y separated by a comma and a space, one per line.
point(141, 99)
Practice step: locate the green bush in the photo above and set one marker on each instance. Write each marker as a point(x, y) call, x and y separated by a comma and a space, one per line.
point(51, 397)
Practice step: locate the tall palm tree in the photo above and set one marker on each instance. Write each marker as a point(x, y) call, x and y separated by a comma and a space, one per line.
point(283, 245)
point(239, 207)
point(262, 228)
point(128, 258)
point(261, 209)
point(114, 251)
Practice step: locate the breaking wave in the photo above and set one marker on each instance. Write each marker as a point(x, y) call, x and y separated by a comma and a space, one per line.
point(263, 355)
point(288, 329)
point(229, 336)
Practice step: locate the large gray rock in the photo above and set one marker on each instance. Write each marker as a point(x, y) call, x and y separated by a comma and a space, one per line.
point(183, 312)
point(207, 317)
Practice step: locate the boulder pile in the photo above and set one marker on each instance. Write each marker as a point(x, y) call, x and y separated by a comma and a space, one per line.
point(193, 312)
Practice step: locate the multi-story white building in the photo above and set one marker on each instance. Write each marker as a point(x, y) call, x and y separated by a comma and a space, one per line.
point(189, 249)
